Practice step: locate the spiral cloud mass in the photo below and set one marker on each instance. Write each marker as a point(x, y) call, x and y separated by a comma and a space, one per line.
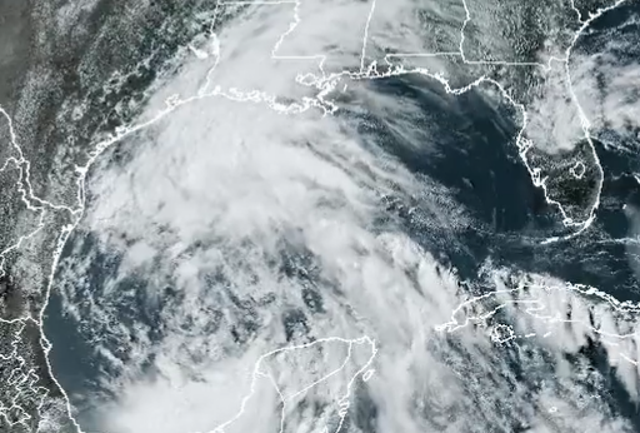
point(323, 216)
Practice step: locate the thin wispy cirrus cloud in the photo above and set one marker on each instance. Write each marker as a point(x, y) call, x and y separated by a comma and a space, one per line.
point(239, 229)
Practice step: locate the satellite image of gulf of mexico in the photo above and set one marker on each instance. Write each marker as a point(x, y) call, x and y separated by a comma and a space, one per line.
point(320, 216)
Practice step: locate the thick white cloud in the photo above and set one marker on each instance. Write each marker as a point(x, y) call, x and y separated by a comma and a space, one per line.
point(225, 216)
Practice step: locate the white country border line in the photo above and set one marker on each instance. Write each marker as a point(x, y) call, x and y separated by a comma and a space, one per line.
point(26, 191)
point(326, 85)
point(624, 307)
point(342, 402)
point(535, 308)
point(172, 103)
point(21, 161)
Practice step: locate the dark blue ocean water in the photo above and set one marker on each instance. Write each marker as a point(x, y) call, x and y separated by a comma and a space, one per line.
point(468, 146)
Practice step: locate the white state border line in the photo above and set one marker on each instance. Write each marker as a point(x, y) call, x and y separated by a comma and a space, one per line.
point(39, 206)
point(325, 85)
point(538, 305)
point(342, 402)
point(19, 380)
